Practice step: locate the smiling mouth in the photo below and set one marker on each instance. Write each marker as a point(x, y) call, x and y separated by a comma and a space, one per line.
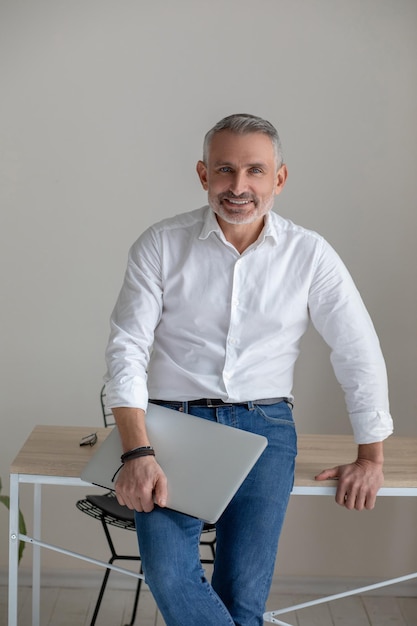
point(238, 202)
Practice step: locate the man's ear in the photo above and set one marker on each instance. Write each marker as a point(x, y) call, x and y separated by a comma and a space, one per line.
point(281, 178)
point(202, 174)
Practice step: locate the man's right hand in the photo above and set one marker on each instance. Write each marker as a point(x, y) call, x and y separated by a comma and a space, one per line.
point(141, 483)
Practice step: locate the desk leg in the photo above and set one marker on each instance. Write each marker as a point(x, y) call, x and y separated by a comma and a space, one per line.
point(36, 563)
point(13, 548)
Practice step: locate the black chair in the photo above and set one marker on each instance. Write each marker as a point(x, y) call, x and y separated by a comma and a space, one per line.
point(105, 508)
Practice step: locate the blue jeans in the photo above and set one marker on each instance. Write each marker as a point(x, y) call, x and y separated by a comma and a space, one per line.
point(247, 532)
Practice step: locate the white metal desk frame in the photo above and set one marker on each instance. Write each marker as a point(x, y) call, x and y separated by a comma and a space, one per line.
point(35, 540)
point(271, 616)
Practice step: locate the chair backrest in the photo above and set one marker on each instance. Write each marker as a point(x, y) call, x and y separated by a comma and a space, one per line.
point(108, 417)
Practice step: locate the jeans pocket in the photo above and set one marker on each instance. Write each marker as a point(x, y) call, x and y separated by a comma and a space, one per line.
point(279, 413)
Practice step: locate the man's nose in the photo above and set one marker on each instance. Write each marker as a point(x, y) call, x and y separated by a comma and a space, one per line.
point(238, 183)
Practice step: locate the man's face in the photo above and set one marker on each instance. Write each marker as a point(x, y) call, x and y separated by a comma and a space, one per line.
point(241, 176)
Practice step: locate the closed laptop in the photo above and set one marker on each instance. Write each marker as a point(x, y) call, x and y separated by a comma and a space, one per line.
point(205, 462)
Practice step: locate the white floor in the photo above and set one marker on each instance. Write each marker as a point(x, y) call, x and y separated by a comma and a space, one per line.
point(74, 607)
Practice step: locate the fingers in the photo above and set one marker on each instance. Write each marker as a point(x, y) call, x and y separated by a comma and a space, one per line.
point(356, 497)
point(327, 474)
point(161, 491)
point(357, 486)
point(140, 484)
point(135, 502)
point(353, 499)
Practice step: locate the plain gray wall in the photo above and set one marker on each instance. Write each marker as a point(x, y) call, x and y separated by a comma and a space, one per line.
point(103, 109)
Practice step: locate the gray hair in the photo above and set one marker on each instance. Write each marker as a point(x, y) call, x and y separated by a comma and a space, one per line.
point(242, 124)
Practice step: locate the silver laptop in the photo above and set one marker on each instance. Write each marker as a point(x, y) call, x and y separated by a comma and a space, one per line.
point(205, 462)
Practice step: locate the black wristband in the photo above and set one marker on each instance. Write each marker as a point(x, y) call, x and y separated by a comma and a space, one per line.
point(137, 453)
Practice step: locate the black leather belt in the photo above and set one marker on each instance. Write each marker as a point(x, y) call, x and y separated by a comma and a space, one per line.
point(213, 402)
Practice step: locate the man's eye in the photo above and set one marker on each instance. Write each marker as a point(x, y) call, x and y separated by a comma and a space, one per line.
point(256, 170)
point(225, 169)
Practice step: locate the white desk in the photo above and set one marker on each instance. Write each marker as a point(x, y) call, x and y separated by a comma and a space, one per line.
point(52, 456)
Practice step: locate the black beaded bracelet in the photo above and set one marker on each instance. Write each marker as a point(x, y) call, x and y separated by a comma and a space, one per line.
point(137, 453)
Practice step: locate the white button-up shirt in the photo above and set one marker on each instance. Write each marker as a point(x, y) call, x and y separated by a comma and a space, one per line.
point(196, 319)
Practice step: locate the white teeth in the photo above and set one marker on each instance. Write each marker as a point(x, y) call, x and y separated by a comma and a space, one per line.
point(239, 202)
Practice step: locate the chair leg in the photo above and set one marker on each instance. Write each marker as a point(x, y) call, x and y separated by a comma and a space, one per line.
point(115, 557)
point(212, 545)
point(136, 600)
point(101, 594)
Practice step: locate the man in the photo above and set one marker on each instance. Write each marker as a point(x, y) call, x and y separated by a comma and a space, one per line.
point(209, 321)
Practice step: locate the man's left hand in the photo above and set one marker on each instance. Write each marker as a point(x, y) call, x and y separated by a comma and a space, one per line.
point(358, 483)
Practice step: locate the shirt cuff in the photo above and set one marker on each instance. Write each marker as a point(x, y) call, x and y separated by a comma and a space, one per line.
point(127, 391)
point(371, 426)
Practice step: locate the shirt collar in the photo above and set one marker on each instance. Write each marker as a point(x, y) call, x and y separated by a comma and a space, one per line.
point(210, 224)
point(271, 227)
